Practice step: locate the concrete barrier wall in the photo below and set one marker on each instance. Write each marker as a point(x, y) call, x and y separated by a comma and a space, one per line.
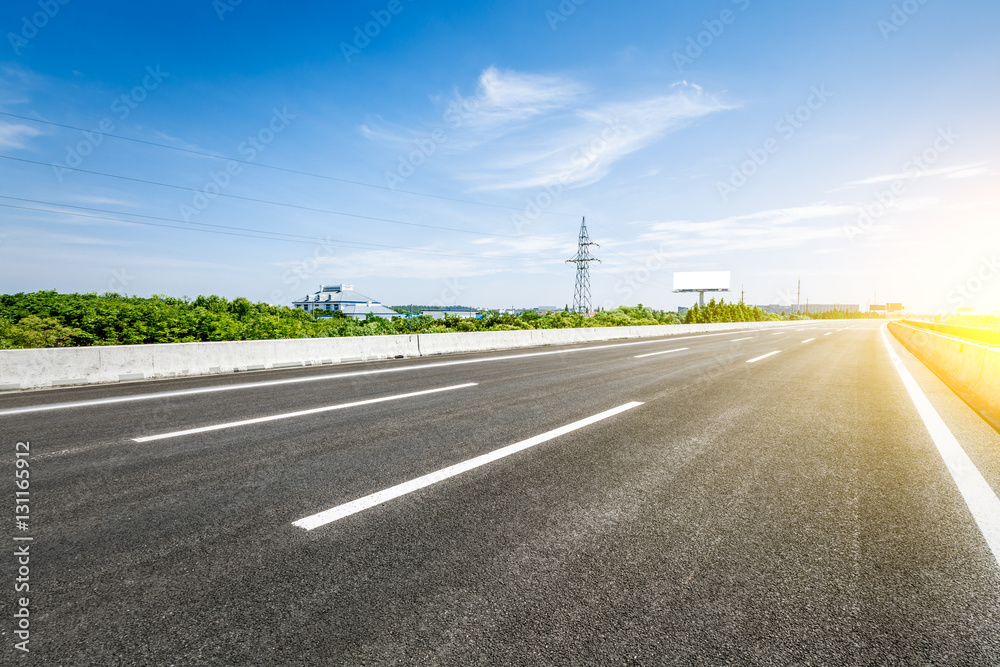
point(58, 367)
point(974, 368)
point(33, 369)
point(482, 341)
point(976, 334)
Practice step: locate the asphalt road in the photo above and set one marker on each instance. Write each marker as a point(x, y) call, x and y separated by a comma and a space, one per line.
point(792, 510)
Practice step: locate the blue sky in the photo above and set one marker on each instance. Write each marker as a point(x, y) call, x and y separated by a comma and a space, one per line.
point(735, 135)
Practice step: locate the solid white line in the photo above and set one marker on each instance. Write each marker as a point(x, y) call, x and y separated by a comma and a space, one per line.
point(653, 354)
point(978, 495)
point(735, 340)
point(300, 413)
point(355, 506)
point(808, 340)
point(335, 376)
point(763, 356)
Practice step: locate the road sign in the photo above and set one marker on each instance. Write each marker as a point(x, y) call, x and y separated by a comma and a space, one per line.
point(876, 307)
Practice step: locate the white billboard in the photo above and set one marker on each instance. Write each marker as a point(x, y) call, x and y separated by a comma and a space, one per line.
point(696, 281)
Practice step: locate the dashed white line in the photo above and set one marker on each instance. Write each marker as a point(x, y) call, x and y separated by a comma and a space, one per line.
point(808, 340)
point(653, 354)
point(335, 376)
point(763, 356)
point(779, 333)
point(828, 333)
point(736, 340)
point(366, 502)
point(978, 495)
point(300, 413)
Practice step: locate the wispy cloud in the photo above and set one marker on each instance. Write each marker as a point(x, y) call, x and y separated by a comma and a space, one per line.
point(523, 131)
point(580, 148)
point(960, 171)
point(15, 135)
point(504, 99)
point(774, 228)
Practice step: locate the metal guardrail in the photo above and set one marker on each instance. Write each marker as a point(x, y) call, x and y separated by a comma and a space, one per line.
point(980, 335)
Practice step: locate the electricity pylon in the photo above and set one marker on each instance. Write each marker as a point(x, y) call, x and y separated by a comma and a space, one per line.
point(583, 258)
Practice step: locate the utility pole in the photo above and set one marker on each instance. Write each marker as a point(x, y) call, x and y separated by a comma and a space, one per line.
point(798, 298)
point(741, 294)
point(583, 258)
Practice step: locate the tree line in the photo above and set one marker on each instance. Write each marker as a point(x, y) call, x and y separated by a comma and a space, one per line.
point(51, 319)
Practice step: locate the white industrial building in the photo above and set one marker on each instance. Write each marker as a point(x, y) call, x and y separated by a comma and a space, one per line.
point(344, 299)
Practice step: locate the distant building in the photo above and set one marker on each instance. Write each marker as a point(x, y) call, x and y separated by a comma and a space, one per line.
point(810, 308)
point(441, 314)
point(343, 298)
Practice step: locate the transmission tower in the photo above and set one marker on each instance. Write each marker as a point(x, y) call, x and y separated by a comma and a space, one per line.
point(583, 258)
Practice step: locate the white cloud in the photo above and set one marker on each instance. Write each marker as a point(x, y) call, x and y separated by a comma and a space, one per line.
point(960, 171)
point(774, 228)
point(505, 98)
point(525, 131)
point(14, 135)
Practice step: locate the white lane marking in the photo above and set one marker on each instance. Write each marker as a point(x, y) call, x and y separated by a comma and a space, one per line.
point(779, 333)
point(366, 502)
point(300, 413)
point(828, 333)
point(808, 340)
point(982, 501)
point(735, 340)
point(763, 356)
point(653, 354)
point(333, 376)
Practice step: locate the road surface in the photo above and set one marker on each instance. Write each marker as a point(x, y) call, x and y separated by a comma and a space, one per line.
point(762, 497)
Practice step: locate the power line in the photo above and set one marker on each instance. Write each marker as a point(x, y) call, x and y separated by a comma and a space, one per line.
point(274, 236)
point(270, 202)
point(217, 156)
point(267, 201)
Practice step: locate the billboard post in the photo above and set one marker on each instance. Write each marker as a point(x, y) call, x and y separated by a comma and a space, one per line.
point(701, 282)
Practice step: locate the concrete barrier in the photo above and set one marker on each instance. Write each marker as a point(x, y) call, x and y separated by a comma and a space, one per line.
point(70, 366)
point(974, 368)
point(483, 341)
point(974, 334)
point(67, 366)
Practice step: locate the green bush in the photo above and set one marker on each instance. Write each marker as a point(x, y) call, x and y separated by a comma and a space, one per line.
point(50, 319)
